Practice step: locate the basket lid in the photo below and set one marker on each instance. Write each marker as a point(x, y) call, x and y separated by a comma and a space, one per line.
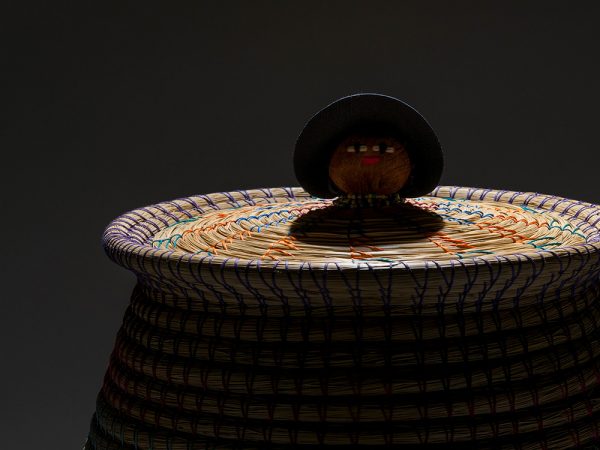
point(435, 228)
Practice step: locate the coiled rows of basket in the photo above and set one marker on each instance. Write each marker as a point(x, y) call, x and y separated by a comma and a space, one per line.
point(243, 381)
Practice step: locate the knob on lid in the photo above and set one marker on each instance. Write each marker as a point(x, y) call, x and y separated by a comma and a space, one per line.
point(370, 116)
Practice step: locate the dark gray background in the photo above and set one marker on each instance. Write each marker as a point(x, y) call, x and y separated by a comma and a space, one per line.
point(107, 107)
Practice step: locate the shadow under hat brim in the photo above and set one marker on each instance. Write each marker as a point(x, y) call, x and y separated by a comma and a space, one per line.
point(367, 113)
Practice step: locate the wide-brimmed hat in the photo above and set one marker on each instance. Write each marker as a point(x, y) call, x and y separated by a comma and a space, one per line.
point(367, 113)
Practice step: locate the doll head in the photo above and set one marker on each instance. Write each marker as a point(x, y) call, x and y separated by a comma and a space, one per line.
point(365, 145)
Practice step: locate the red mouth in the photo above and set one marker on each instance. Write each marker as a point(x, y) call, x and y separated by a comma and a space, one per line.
point(370, 160)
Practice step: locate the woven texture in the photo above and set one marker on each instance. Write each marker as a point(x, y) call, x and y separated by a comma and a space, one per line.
point(271, 319)
point(420, 229)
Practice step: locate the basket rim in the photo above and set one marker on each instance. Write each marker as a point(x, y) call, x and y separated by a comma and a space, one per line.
point(123, 246)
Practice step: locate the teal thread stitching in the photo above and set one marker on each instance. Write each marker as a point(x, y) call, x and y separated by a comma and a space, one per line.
point(543, 246)
point(468, 213)
point(456, 219)
point(260, 216)
point(193, 219)
point(167, 240)
point(258, 228)
point(564, 228)
point(525, 208)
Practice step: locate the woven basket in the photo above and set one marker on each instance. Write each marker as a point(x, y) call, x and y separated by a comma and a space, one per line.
point(271, 319)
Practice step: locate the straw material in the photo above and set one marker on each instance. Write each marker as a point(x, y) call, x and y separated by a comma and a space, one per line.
point(271, 319)
point(318, 232)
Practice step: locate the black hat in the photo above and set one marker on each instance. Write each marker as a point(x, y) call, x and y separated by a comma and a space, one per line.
point(372, 112)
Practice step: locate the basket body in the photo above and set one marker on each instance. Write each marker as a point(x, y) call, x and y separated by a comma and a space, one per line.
point(481, 352)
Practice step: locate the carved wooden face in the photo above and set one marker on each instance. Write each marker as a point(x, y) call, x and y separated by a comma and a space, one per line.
point(363, 165)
